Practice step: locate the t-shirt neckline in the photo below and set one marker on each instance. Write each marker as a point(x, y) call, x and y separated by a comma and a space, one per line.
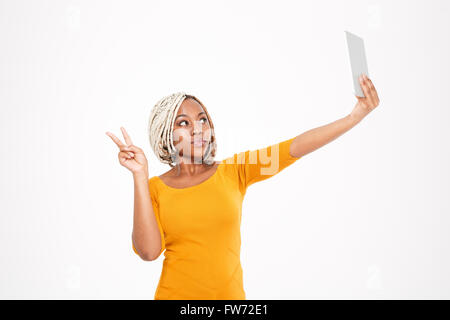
point(194, 186)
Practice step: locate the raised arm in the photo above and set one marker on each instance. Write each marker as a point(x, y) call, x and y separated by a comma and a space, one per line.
point(147, 236)
point(315, 138)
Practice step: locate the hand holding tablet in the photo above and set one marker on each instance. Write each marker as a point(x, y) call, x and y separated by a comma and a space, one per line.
point(365, 91)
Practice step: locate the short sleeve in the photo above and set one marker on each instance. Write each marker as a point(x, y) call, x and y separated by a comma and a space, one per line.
point(260, 164)
point(155, 205)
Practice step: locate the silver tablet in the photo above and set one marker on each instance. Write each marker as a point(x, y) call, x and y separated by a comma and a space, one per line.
point(358, 60)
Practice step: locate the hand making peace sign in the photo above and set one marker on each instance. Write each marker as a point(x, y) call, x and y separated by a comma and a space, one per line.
point(130, 156)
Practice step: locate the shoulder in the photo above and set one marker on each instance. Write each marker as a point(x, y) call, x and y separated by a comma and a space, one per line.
point(154, 189)
point(153, 183)
point(229, 166)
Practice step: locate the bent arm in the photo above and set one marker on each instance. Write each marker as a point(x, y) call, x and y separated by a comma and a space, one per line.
point(315, 138)
point(146, 236)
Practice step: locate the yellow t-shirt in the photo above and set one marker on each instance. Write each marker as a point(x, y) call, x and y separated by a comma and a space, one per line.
point(200, 226)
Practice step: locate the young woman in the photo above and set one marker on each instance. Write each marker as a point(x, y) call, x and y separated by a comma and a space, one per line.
point(193, 211)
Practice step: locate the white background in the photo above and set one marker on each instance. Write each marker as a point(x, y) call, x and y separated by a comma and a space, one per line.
point(364, 217)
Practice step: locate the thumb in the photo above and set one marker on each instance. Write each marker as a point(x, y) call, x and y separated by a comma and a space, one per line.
point(132, 148)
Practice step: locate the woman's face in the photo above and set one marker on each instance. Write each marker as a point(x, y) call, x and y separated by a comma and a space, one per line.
point(192, 131)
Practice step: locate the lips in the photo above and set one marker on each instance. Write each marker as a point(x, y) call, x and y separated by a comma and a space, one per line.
point(198, 142)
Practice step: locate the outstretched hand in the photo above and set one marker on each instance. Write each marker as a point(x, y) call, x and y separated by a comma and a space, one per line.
point(366, 104)
point(130, 156)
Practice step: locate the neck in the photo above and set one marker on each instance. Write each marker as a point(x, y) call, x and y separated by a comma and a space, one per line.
point(192, 168)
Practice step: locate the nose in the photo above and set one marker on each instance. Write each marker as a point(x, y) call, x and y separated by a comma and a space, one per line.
point(197, 127)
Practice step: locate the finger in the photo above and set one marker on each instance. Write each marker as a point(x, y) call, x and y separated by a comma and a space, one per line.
point(371, 89)
point(376, 95)
point(374, 91)
point(126, 136)
point(126, 155)
point(115, 139)
point(369, 83)
point(365, 89)
point(132, 148)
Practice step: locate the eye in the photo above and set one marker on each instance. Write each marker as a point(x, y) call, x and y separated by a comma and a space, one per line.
point(204, 118)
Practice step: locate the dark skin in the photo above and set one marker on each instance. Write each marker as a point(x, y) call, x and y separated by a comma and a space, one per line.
point(190, 122)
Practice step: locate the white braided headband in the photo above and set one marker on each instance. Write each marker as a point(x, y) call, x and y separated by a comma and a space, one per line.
point(160, 128)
